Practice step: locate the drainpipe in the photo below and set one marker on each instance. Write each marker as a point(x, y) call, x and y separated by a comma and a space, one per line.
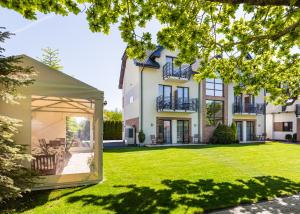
point(141, 127)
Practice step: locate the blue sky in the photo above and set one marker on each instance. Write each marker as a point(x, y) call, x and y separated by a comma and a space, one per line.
point(94, 58)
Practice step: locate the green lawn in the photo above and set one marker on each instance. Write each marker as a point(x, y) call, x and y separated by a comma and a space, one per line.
point(178, 180)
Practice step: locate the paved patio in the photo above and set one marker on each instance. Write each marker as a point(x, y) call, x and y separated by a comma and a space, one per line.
point(284, 205)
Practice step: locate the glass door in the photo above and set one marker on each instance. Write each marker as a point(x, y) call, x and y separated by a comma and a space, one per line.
point(182, 98)
point(165, 131)
point(239, 126)
point(165, 93)
point(249, 103)
point(238, 103)
point(250, 130)
point(183, 131)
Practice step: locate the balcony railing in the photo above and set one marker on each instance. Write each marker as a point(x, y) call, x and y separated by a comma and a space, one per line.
point(180, 73)
point(297, 111)
point(258, 108)
point(176, 104)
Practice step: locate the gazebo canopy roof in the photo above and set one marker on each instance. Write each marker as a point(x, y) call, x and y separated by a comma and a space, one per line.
point(53, 83)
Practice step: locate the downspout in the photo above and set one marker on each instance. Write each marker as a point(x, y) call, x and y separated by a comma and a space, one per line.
point(141, 127)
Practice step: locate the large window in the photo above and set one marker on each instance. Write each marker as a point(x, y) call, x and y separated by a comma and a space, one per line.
point(183, 131)
point(214, 112)
point(175, 68)
point(165, 95)
point(182, 97)
point(214, 87)
point(283, 126)
point(165, 91)
point(63, 140)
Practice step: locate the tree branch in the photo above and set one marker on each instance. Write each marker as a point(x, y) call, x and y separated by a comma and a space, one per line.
point(259, 2)
point(271, 36)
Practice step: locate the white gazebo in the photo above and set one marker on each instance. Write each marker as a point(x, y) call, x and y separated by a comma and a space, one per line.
point(62, 126)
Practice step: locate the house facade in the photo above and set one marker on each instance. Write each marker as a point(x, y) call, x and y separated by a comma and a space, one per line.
point(283, 120)
point(165, 101)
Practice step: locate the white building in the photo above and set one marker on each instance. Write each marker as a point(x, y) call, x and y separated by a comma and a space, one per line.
point(171, 107)
point(283, 120)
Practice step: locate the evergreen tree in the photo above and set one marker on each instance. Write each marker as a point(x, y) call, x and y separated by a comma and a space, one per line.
point(51, 58)
point(115, 115)
point(15, 175)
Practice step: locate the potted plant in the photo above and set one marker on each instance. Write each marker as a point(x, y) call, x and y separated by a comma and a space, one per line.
point(141, 137)
point(288, 137)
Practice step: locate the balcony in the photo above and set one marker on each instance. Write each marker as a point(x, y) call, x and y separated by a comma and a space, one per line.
point(177, 74)
point(174, 104)
point(257, 108)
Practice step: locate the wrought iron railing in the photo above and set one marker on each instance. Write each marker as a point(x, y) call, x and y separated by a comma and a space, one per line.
point(170, 70)
point(297, 111)
point(176, 104)
point(257, 108)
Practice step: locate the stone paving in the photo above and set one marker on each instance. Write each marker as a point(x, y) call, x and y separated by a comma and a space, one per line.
point(290, 205)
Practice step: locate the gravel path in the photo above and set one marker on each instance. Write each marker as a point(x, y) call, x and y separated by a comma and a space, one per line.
point(285, 205)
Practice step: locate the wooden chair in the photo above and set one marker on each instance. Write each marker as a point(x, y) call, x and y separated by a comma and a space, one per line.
point(54, 143)
point(44, 164)
point(196, 138)
point(44, 146)
point(62, 140)
point(153, 139)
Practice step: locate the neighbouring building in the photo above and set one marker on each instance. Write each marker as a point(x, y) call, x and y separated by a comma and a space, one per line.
point(283, 120)
point(164, 101)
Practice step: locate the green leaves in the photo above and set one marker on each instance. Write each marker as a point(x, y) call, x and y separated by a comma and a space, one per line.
point(201, 29)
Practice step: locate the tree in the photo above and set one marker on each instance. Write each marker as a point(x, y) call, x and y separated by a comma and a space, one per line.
point(256, 41)
point(50, 57)
point(115, 115)
point(15, 176)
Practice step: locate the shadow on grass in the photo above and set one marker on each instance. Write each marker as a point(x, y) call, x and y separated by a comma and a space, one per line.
point(35, 199)
point(201, 195)
point(201, 146)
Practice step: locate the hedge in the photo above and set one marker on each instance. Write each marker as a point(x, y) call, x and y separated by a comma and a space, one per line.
point(112, 130)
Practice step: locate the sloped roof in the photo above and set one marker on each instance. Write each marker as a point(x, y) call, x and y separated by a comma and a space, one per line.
point(148, 62)
point(51, 82)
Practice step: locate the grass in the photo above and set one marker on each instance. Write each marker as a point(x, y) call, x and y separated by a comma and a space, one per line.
point(191, 179)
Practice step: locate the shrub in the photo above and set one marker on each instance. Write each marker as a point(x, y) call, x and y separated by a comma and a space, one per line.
point(141, 136)
point(112, 130)
point(234, 129)
point(294, 137)
point(288, 137)
point(223, 135)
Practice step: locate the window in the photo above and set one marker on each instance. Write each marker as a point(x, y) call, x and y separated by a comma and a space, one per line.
point(129, 132)
point(214, 87)
point(283, 126)
point(288, 126)
point(171, 60)
point(165, 92)
point(214, 112)
point(182, 97)
point(174, 68)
